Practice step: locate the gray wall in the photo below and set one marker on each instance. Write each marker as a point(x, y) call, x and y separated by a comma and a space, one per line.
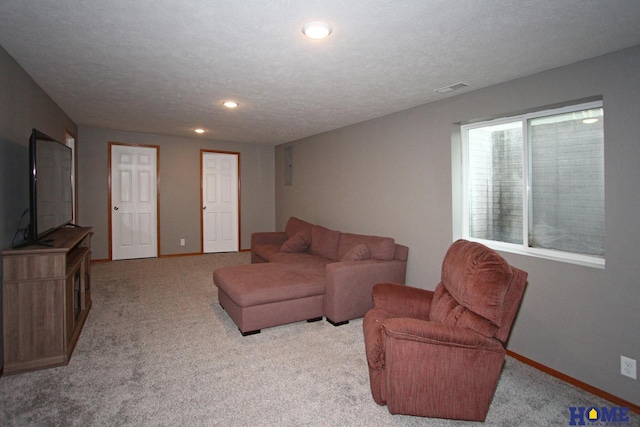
point(179, 175)
point(394, 176)
point(23, 106)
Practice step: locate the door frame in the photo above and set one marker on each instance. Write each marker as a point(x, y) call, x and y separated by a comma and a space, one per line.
point(109, 202)
point(237, 154)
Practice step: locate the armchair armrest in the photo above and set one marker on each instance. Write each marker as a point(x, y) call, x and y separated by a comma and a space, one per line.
point(421, 331)
point(402, 301)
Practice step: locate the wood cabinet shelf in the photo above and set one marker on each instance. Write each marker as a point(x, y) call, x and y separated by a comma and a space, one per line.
point(46, 299)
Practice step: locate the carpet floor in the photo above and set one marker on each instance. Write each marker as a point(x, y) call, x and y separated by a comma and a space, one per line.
point(157, 349)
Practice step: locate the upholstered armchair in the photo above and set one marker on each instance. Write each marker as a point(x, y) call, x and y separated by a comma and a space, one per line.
point(440, 353)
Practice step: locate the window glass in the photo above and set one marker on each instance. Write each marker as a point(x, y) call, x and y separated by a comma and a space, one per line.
point(567, 182)
point(495, 182)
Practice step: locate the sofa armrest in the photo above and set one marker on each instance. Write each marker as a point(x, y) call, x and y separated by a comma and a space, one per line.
point(402, 301)
point(349, 283)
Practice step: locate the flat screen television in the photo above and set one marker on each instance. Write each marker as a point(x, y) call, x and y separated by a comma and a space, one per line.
point(50, 186)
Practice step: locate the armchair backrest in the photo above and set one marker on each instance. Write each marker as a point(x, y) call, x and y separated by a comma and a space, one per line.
point(478, 290)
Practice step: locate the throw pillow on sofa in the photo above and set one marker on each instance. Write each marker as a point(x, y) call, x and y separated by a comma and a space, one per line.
point(298, 243)
point(380, 248)
point(359, 252)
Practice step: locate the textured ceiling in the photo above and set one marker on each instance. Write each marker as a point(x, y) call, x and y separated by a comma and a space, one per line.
point(165, 66)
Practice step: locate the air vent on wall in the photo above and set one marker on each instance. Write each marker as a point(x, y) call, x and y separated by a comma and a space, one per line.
point(451, 88)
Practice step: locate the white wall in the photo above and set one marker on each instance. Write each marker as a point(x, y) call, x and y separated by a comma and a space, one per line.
point(393, 176)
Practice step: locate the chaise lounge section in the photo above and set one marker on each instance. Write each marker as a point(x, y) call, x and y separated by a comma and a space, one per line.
point(307, 272)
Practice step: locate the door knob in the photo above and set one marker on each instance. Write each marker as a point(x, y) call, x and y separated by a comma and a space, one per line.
point(204, 208)
point(116, 208)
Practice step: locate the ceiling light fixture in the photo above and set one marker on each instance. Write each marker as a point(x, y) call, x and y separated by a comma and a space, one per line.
point(230, 104)
point(591, 116)
point(199, 130)
point(451, 88)
point(316, 30)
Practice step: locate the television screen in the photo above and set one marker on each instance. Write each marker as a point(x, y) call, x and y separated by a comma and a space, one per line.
point(51, 189)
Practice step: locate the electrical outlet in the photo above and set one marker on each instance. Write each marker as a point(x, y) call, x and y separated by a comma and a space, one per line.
point(628, 367)
point(182, 242)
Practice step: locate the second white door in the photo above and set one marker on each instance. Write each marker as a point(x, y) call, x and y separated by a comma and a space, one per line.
point(220, 210)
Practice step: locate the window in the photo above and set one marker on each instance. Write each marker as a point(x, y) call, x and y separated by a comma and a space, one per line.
point(534, 183)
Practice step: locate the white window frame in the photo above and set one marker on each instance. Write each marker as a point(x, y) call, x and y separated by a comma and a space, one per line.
point(522, 249)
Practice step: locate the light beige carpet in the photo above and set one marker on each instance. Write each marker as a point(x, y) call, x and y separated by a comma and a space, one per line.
point(158, 350)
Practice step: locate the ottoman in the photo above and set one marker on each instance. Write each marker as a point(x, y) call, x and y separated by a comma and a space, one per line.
point(258, 296)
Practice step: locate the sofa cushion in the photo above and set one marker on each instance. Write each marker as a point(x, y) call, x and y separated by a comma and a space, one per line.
point(254, 284)
point(324, 242)
point(265, 251)
point(481, 284)
point(380, 248)
point(359, 252)
point(446, 310)
point(299, 242)
point(296, 225)
point(302, 258)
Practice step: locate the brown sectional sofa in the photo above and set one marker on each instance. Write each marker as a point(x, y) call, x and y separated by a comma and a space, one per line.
point(307, 272)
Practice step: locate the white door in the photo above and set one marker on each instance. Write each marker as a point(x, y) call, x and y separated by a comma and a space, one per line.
point(220, 202)
point(134, 232)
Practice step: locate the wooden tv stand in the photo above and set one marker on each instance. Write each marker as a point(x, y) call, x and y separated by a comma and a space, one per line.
point(46, 299)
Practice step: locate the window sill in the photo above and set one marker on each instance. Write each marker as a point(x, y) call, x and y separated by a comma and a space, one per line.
point(553, 255)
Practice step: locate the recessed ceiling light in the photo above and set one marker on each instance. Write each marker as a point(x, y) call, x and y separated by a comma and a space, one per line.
point(590, 120)
point(199, 130)
point(230, 104)
point(316, 30)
